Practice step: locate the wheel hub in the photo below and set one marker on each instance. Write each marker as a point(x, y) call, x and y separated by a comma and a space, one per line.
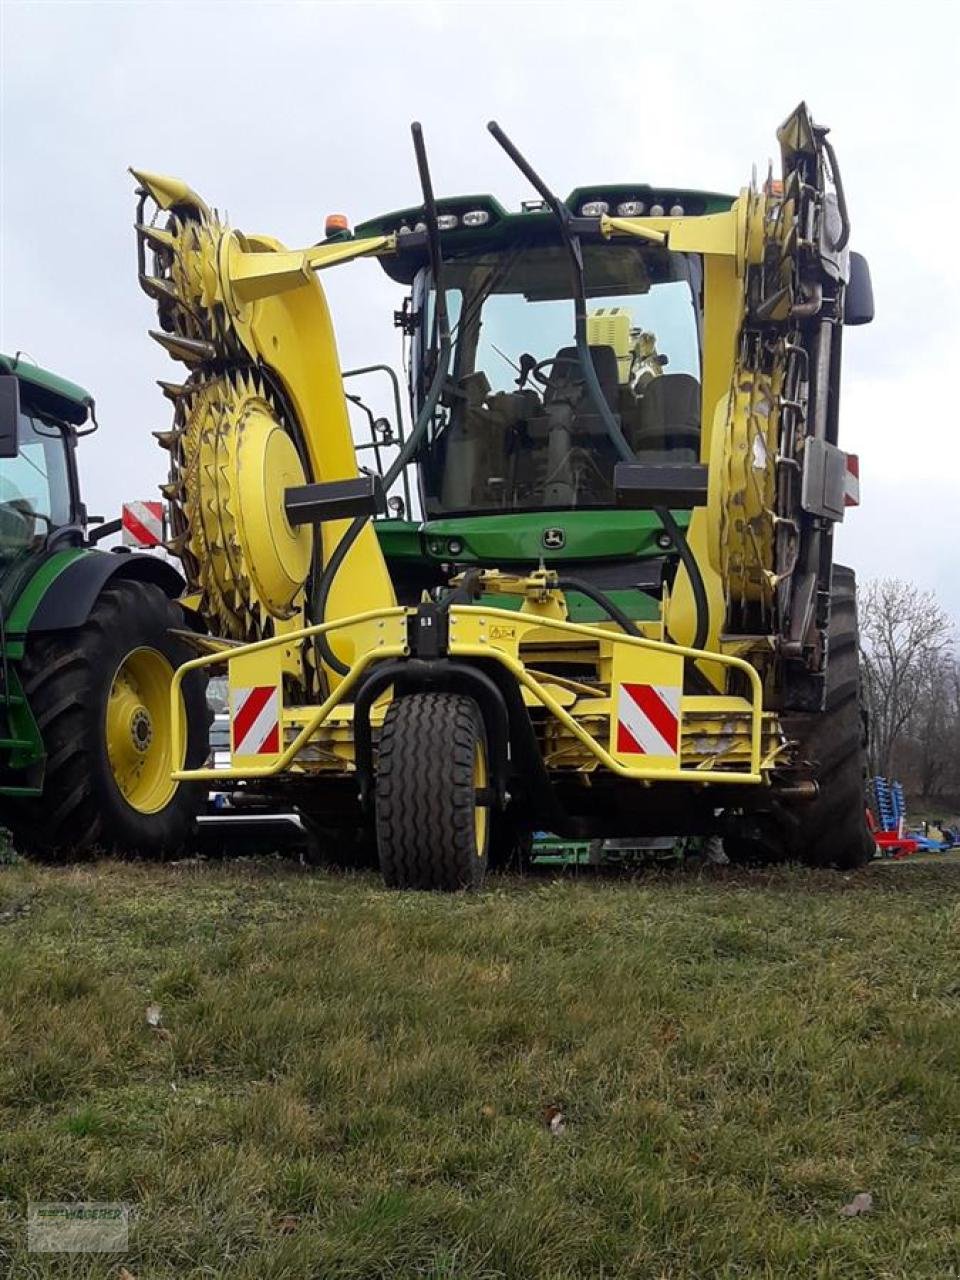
point(141, 730)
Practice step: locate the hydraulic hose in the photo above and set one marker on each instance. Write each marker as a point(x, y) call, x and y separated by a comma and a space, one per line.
point(689, 561)
point(613, 611)
point(424, 417)
point(574, 248)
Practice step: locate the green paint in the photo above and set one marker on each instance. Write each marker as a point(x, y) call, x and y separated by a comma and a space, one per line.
point(21, 743)
point(505, 228)
point(58, 395)
point(30, 591)
point(518, 537)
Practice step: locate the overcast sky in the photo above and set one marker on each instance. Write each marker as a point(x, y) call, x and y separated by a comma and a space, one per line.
point(279, 113)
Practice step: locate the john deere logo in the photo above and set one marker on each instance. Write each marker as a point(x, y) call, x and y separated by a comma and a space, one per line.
point(554, 539)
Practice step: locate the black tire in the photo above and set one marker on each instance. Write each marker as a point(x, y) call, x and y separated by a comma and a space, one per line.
point(832, 831)
point(426, 801)
point(67, 678)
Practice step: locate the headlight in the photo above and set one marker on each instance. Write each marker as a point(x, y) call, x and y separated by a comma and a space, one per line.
point(476, 218)
point(421, 226)
point(404, 230)
point(455, 546)
point(630, 209)
point(656, 211)
point(676, 211)
point(447, 221)
point(594, 209)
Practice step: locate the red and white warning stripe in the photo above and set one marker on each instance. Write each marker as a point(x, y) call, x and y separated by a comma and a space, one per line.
point(648, 719)
point(142, 524)
point(255, 723)
point(851, 481)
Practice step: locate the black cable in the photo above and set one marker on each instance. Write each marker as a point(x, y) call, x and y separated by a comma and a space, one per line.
point(689, 562)
point(612, 427)
point(424, 417)
point(613, 611)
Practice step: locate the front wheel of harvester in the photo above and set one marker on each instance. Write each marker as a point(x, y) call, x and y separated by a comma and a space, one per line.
point(833, 829)
point(432, 832)
point(101, 698)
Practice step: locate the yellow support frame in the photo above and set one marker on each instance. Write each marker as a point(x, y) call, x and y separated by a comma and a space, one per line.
point(476, 632)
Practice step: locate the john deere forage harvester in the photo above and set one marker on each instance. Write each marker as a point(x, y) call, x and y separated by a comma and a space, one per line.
point(591, 589)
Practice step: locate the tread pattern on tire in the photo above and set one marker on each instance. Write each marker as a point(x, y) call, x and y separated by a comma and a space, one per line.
point(833, 829)
point(425, 793)
point(66, 679)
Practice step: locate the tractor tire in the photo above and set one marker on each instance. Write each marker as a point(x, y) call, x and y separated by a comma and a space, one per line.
point(832, 830)
point(100, 697)
point(432, 760)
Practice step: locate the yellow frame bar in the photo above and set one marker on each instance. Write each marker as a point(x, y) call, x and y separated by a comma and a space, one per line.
point(318, 717)
point(603, 755)
point(517, 669)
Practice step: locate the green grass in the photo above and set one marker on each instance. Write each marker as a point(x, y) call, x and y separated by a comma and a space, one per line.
point(351, 1083)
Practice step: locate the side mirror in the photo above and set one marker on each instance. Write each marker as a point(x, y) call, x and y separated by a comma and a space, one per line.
point(9, 415)
point(858, 295)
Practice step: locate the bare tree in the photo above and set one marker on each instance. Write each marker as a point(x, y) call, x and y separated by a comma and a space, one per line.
point(932, 730)
point(903, 630)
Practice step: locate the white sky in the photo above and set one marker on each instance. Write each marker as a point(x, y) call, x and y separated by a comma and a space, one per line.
point(282, 112)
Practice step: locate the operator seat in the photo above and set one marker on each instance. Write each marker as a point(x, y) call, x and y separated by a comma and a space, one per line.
point(566, 374)
point(670, 406)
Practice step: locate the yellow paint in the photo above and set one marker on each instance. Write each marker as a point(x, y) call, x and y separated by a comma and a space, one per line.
point(143, 710)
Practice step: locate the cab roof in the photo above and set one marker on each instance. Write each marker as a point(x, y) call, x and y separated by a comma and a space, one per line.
point(48, 391)
point(533, 222)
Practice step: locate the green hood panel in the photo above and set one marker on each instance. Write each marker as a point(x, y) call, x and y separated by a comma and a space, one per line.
point(526, 537)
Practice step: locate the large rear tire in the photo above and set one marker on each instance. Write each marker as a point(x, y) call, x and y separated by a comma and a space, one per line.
point(833, 829)
point(432, 761)
point(101, 698)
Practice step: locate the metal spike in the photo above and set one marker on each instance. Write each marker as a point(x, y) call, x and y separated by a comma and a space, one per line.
point(174, 390)
point(166, 439)
point(175, 489)
point(177, 544)
point(159, 289)
point(190, 350)
point(157, 237)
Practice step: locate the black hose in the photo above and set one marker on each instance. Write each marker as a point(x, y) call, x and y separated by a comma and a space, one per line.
point(689, 562)
point(614, 612)
point(424, 417)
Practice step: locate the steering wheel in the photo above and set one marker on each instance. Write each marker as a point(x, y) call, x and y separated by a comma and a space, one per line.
point(538, 374)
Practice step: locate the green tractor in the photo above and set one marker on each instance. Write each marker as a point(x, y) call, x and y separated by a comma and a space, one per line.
point(88, 642)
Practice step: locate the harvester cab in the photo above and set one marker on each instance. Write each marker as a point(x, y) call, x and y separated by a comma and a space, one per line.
point(592, 591)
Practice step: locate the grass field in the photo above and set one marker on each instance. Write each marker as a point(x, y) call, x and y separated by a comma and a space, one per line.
point(352, 1083)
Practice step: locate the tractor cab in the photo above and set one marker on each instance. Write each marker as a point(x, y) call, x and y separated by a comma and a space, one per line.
point(40, 507)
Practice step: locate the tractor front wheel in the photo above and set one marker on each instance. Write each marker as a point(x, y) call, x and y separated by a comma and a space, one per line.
point(101, 698)
point(433, 824)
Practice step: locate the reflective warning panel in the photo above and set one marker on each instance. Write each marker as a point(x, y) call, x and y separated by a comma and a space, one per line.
point(648, 719)
point(646, 707)
point(255, 720)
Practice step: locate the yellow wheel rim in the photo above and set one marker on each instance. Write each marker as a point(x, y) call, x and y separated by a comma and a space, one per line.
point(481, 813)
point(138, 730)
